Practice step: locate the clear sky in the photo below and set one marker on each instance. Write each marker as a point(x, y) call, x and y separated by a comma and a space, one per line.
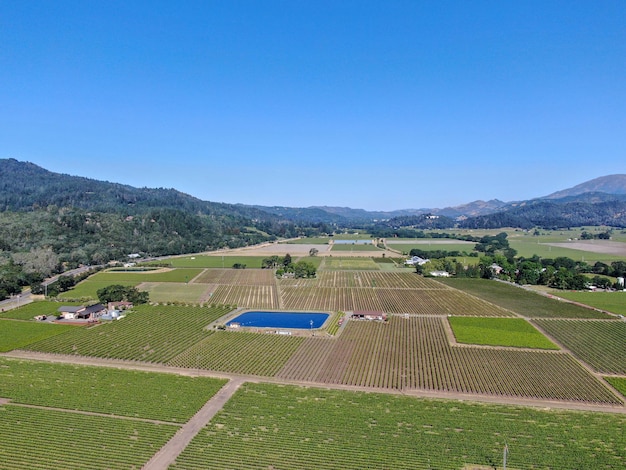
point(378, 105)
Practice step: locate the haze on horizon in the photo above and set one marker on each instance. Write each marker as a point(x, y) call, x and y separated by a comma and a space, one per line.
point(373, 105)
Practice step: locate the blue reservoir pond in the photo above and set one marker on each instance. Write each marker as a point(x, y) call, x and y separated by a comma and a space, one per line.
point(259, 319)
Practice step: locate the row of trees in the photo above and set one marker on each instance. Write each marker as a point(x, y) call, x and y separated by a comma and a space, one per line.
point(560, 273)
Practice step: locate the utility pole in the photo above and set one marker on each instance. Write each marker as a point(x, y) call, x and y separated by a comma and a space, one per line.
point(506, 453)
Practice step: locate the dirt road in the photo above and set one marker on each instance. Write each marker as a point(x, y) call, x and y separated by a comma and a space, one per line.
point(169, 452)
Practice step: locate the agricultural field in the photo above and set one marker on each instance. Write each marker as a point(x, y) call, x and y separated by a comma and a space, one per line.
point(149, 333)
point(390, 280)
point(169, 275)
point(510, 332)
point(288, 427)
point(33, 309)
point(432, 245)
point(354, 247)
point(521, 301)
point(601, 344)
point(261, 297)
point(414, 353)
point(561, 243)
point(619, 383)
point(15, 334)
point(610, 301)
point(308, 241)
point(238, 277)
point(214, 261)
point(57, 440)
point(413, 301)
point(335, 263)
point(163, 292)
point(149, 395)
point(240, 352)
point(89, 287)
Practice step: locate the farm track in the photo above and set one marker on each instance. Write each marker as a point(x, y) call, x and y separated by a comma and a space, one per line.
point(151, 367)
point(170, 451)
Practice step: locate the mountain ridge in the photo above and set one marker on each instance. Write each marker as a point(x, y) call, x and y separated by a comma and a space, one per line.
point(27, 186)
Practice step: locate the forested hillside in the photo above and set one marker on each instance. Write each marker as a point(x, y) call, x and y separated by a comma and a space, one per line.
point(50, 222)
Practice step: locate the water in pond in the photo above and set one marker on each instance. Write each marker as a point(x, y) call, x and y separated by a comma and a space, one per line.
point(280, 319)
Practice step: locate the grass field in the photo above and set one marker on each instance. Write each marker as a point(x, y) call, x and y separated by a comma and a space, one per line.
point(434, 246)
point(216, 261)
point(33, 309)
point(15, 334)
point(528, 245)
point(286, 427)
point(161, 292)
point(512, 332)
point(336, 263)
point(521, 301)
point(355, 247)
point(610, 301)
point(165, 397)
point(309, 241)
point(89, 287)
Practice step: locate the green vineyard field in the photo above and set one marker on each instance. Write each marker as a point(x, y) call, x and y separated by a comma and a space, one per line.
point(286, 427)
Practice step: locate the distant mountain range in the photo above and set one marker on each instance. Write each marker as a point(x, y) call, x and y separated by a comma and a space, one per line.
point(28, 187)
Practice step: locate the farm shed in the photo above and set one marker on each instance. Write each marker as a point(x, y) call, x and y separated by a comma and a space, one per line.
point(72, 313)
point(369, 315)
point(68, 311)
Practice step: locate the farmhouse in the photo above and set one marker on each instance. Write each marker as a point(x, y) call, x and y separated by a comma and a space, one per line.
point(92, 312)
point(369, 315)
point(416, 260)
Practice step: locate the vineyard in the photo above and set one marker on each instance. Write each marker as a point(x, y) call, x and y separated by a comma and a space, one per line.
point(18, 334)
point(165, 397)
point(601, 344)
point(237, 277)
point(262, 297)
point(50, 440)
point(239, 352)
point(152, 334)
point(415, 301)
point(414, 353)
point(286, 427)
point(389, 280)
point(521, 301)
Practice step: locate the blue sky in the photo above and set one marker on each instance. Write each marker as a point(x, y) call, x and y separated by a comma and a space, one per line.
point(378, 105)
